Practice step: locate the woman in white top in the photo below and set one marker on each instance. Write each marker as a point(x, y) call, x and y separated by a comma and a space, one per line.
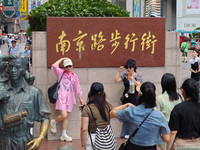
point(194, 65)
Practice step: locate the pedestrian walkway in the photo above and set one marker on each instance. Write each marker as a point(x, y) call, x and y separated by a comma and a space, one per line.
point(184, 68)
point(74, 145)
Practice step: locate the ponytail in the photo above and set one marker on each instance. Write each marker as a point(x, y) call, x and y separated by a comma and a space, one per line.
point(148, 97)
point(191, 88)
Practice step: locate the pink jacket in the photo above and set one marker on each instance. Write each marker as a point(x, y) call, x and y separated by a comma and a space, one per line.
point(68, 86)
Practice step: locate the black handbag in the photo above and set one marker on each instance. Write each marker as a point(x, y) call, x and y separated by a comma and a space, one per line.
point(123, 146)
point(53, 91)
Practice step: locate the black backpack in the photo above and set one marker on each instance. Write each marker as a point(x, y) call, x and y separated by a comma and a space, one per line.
point(53, 91)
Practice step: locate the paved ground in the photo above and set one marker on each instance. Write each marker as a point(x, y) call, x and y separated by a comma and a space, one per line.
point(74, 145)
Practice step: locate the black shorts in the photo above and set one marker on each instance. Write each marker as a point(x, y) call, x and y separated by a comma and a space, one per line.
point(132, 146)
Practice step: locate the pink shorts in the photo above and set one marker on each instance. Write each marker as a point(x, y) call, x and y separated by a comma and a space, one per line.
point(60, 106)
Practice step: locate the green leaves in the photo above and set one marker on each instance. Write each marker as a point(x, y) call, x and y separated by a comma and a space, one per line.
point(73, 8)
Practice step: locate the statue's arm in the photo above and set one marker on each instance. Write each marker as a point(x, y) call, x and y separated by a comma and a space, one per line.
point(43, 132)
point(4, 95)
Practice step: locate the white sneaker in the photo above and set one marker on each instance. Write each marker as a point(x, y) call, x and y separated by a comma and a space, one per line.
point(126, 136)
point(65, 137)
point(53, 126)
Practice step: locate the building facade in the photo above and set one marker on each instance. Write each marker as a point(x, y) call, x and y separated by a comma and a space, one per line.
point(179, 14)
point(188, 14)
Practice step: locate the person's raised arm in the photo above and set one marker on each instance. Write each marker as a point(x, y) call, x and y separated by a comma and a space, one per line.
point(113, 111)
point(117, 77)
point(60, 60)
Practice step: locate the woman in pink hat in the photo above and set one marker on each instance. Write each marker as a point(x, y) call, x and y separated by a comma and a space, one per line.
point(66, 99)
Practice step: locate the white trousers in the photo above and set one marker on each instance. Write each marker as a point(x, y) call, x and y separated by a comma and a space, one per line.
point(88, 141)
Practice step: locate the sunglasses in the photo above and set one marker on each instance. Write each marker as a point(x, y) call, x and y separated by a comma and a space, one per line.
point(68, 66)
point(129, 67)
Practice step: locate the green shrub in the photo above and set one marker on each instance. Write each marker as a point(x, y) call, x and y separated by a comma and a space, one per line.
point(28, 31)
point(73, 8)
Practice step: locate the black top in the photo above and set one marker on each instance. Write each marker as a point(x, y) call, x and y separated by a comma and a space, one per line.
point(185, 118)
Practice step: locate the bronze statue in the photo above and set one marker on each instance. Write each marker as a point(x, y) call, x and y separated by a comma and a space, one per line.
point(4, 77)
point(25, 105)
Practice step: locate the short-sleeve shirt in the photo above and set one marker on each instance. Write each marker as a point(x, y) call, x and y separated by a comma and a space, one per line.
point(138, 77)
point(100, 122)
point(26, 53)
point(185, 118)
point(192, 61)
point(150, 132)
point(165, 105)
point(186, 45)
point(26, 98)
point(11, 49)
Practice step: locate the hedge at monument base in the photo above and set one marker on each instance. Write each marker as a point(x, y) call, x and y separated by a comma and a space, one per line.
point(73, 8)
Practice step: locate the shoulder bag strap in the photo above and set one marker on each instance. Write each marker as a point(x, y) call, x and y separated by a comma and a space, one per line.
point(135, 131)
point(95, 123)
point(61, 77)
point(186, 44)
point(90, 137)
point(92, 115)
point(180, 96)
point(89, 126)
point(109, 109)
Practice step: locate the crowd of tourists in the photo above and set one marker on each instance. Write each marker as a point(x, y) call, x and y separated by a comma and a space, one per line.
point(13, 40)
point(169, 121)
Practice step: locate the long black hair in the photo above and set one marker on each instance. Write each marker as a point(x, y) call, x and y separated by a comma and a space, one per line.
point(148, 97)
point(191, 88)
point(99, 100)
point(168, 83)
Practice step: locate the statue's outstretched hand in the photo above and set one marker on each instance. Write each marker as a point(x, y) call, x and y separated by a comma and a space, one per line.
point(43, 132)
point(36, 143)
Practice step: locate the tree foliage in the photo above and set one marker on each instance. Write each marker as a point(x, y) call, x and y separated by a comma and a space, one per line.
point(28, 31)
point(73, 8)
point(196, 35)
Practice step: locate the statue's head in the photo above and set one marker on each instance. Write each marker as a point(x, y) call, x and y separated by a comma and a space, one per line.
point(3, 62)
point(17, 65)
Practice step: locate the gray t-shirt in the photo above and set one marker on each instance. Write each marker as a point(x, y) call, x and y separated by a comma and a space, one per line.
point(138, 77)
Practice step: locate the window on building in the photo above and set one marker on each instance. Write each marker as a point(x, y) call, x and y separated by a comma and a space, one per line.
point(121, 3)
point(153, 8)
